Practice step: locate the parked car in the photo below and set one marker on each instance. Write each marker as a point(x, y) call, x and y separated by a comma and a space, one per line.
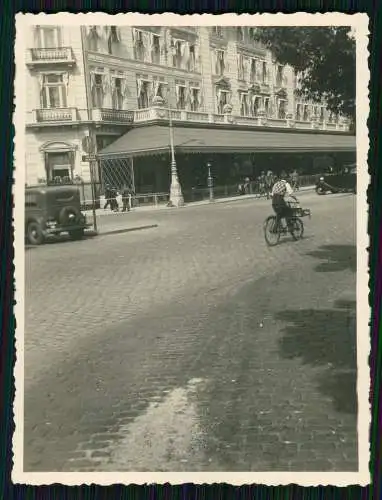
point(345, 180)
point(51, 210)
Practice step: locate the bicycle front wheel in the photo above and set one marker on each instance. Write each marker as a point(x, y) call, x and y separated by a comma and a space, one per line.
point(271, 231)
point(296, 228)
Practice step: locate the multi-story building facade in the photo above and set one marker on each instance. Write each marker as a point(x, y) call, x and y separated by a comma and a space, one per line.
point(107, 79)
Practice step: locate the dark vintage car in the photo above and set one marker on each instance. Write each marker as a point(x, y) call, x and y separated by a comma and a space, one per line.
point(345, 180)
point(51, 210)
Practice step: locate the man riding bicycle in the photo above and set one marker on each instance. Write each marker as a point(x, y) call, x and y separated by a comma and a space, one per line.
point(280, 189)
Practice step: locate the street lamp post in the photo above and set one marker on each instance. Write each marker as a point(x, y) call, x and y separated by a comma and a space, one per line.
point(176, 197)
point(210, 183)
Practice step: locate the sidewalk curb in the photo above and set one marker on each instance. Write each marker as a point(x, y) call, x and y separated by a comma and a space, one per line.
point(203, 203)
point(120, 231)
point(241, 198)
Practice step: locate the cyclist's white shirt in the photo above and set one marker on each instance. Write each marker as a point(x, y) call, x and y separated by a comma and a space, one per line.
point(282, 187)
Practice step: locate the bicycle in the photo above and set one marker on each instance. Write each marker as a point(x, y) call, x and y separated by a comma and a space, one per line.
point(294, 225)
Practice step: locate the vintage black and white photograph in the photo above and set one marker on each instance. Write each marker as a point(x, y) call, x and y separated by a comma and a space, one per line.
point(190, 240)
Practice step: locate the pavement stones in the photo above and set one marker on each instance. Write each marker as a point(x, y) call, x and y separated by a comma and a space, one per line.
point(195, 330)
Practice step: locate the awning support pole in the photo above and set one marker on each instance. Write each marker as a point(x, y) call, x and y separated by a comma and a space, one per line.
point(176, 196)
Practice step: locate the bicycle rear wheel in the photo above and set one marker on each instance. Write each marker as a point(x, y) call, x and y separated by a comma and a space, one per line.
point(271, 231)
point(296, 228)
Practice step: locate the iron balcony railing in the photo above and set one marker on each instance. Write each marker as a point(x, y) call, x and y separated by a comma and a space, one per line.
point(50, 55)
point(55, 115)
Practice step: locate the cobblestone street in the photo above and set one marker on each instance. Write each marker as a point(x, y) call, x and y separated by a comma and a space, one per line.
point(193, 346)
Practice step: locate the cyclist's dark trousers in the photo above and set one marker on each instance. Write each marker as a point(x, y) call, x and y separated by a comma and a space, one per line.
point(281, 209)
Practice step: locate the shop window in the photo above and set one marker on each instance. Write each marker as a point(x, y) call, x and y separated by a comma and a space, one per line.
point(59, 167)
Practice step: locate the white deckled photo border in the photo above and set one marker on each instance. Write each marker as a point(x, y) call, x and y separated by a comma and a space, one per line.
point(359, 22)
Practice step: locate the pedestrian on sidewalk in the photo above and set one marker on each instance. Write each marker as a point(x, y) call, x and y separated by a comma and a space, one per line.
point(126, 199)
point(114, 203)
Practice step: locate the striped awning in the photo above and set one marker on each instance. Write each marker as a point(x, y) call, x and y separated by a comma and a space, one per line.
point(156, 138)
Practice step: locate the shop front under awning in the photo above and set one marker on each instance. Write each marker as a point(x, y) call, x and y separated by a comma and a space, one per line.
point(156, 139)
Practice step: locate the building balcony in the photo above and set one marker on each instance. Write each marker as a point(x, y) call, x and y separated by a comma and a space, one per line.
point(113, 116)
point(54, 115)
point(156, 113)
point(57, 55)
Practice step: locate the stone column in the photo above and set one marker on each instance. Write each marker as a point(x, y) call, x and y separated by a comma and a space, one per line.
point(208, 94)
point(231, 74)
point(290, 81)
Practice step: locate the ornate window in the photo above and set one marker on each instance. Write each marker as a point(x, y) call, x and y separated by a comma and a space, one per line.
point(244, 104)
point(240, 67)
point(222, 97)
point(181, 96)
point(219, 64)
point(256, 105)
point(299, 111)
point(97, 89)
point(279, 75)
point(281, 108)
point(53, 91)
point(48, 37)
point(240, 34)
point(161, 90)
point(193, 62)
point(144, 91)
point(267, 106)
point(94, 37)
point(195, 99)
point(306, 113)
point(113, 37)
point(264, 73)
point(253, 71)
point(218, 31)
point(140, 41)
point(117, 93)
point(155, 48)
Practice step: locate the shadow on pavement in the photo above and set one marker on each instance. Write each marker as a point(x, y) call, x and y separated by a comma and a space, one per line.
point(326, 338)
point(336, 258)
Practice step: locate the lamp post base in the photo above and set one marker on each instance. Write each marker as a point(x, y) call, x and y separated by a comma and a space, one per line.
point(176, 197)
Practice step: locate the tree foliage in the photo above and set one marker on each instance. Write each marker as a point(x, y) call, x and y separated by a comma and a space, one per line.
point(325, 58)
